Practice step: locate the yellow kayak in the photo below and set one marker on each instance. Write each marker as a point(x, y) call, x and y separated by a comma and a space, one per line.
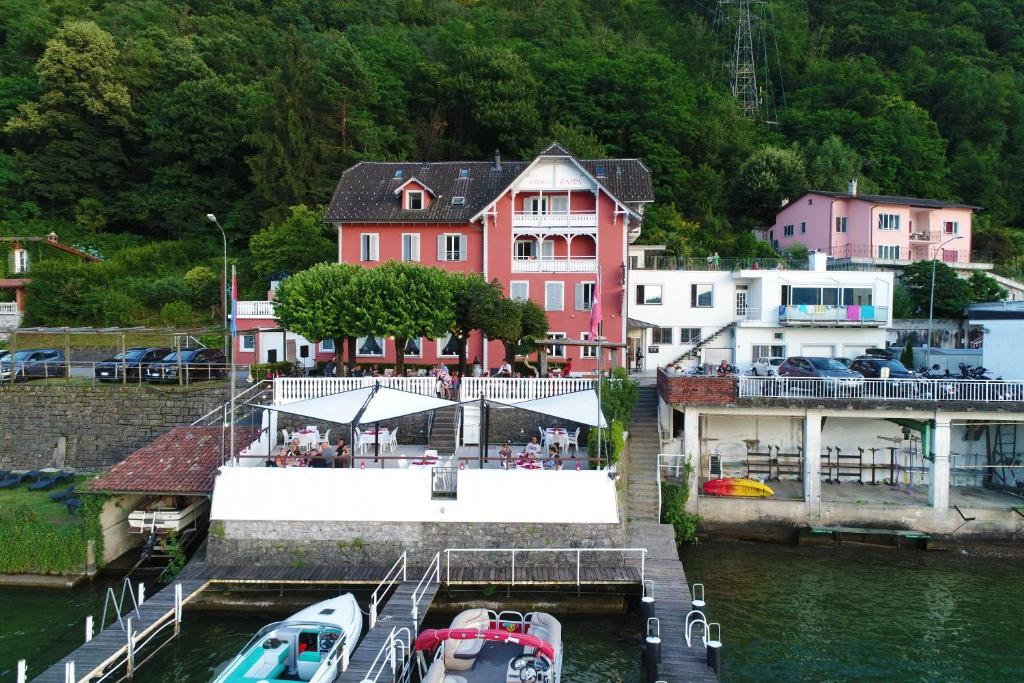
point(747, 488)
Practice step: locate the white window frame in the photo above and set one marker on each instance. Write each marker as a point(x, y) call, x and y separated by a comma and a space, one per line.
point(803, 227)
point(452, 253)
point(889, 222)
point(561, 295)
point(584, 302)
point(671, 336)
point(787, 231)
point(686, 336)
point(327, 346)
point(414, 246)
point(381, 341)
point(535, 206)
point(695, 295)
point(556, 351)
point(369, 247)
point(408, 200)
point(646, 301)
point(841, 224)
point(247, 342)
point(443, 342)
point(889, 251)
point(511, 290)
point(531, 248)
point(759, 351)
point(419, 341)
point(554, 203)
point(956, 227)
point(20, 261)
point(546, 248)
point(587, 351)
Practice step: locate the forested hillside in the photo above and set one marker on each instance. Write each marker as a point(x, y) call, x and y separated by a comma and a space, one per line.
point(123, 122)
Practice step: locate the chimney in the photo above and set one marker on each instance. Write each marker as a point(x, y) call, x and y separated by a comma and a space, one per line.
point(785, 200)
point(852, 187)
point(52, 237)
point(497, 160)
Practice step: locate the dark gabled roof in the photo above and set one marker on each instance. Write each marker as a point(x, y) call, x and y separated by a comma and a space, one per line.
point(182, 461)
point(366, 191)
point(888, 199)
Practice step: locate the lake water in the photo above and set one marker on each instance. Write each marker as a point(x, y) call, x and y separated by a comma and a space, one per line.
point(861, 614)
point(787, 614)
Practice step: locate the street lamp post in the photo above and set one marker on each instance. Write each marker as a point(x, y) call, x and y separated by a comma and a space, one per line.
point(223, 286)
point(931, 299)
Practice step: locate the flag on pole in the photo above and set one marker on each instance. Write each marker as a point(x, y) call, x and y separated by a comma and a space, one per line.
point(595, 309)
point(234, 302)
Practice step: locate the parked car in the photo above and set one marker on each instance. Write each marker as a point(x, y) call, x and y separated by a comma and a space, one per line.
point(4, 353)
point(132, 363)
point(32, 363)
point(872, 367)
point(196, 364)
point(766, 366)
point(839, 378)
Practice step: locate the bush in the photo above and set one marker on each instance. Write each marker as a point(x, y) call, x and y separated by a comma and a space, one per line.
point(108, 307)
point(176, 314)
point(29, 544)
point(204, 285)
point(619, 395)
point(259, 371)
point(673, 508)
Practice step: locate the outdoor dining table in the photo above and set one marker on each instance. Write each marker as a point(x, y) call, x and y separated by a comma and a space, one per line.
point(367, 438)
point(526, 465)
point(424, 464)
point(308, 438)
point(557, 435)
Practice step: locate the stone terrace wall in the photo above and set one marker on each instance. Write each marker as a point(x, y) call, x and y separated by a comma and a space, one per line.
point(676, 389)
point(316, 543)
point(101, 424)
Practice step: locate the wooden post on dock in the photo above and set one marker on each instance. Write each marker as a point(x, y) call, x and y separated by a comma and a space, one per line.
point(22, 671)
point(88, 628)
point(129, 627)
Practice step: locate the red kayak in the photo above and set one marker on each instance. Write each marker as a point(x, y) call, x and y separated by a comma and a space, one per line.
point(746, 488)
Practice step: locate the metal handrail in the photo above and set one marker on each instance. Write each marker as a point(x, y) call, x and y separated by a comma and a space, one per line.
point(111, 598)
point(391, 578)
point(387, 655)
point(578, 551)
point(432, 575)
point(917, 389)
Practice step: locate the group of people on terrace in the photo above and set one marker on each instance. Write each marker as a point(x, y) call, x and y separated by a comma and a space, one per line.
point(323, 454)
point(530, 456)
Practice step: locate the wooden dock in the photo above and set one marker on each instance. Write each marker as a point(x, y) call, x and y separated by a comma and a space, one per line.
point(110, 645)
point(672, 603)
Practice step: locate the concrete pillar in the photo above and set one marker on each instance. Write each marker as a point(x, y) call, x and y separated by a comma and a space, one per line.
point(938, 475)
point(812, 458)
point(691, 449)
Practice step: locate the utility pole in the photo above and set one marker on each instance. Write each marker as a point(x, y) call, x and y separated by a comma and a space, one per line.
point(745, 24)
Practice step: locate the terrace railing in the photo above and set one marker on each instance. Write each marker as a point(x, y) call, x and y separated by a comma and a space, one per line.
point(930, 390)
point(520, 388)
point(256, 309)
point(288, 389)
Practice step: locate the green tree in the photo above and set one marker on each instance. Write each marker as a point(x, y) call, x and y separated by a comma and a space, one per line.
point(475, 303)
point(406, 301)
point(831, 164)
point(517, 324)
point(296, 243)
point(769, 176)
point(952, 294)
point(324, 302)
point(985, 289)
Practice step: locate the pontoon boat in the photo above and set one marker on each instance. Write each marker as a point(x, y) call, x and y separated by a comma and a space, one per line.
point(482, 646)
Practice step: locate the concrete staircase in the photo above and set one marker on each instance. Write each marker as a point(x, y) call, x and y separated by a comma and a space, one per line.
point(644, 446)
point(444, 430)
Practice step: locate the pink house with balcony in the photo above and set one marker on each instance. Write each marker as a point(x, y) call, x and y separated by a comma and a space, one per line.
point(546, 228)
point(899, 230)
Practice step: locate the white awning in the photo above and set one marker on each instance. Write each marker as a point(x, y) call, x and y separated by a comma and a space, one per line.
point(384, 404)
point(576, 406)
point(342, 407)
point(390, 403)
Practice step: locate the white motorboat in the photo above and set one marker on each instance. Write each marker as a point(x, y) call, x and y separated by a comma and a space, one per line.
point(482, 646)
point(308, 646)
point(163, 515)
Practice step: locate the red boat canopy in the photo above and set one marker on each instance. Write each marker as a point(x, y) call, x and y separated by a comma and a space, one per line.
point(433, 637)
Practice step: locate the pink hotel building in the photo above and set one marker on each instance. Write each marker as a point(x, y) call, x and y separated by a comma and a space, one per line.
point(877, 227)
point(546, 229)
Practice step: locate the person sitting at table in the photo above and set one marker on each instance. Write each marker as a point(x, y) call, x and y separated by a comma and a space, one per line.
point(289, 454)
point(343, 453)
point(549, 462)
point(505, 454)
point(327, 453)
point(568, 367)
point(532, 449)
point(505, 370)
point(558, 462)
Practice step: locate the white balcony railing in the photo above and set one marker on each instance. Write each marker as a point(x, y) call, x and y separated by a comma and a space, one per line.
point(520, 388)
point(8, 308)
point(256, 309)
point(748, 313)
point(573, 219)
point(554, 265)
point(288, 389)
point(932, 390)
point(811, 314)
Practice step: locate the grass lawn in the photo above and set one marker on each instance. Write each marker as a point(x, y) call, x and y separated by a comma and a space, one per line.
point(31, 340)
point(40, 503)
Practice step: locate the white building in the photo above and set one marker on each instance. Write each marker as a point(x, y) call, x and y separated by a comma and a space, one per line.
point(740, 315)
point(1002, 327)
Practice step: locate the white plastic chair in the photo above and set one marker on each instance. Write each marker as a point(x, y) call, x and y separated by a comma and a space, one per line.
point(327, 436)
point(287, 436)
point(573, 441)
point(360, 446)
point(393, 440)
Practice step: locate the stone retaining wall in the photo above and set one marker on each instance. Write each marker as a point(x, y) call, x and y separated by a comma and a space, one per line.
point(99, 425)
point(313, 543)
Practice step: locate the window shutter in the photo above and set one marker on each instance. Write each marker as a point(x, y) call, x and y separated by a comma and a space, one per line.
point(440, 247)
point(374, 250)
point(579, 297)
point(463, 248)
point(693, 296)
point(415, 247)
point(639, 294)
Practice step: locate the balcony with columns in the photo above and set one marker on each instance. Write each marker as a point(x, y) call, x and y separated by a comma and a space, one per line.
point(554, 253)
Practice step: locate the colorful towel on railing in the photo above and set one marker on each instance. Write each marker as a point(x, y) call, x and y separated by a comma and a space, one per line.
point(819, 308)
point(867, 312)
point(853, 312)
point(803, 308)
point(782, 311)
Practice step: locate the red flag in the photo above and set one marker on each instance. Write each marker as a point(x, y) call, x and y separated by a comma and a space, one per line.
point(234, 302)
point(595, 309)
